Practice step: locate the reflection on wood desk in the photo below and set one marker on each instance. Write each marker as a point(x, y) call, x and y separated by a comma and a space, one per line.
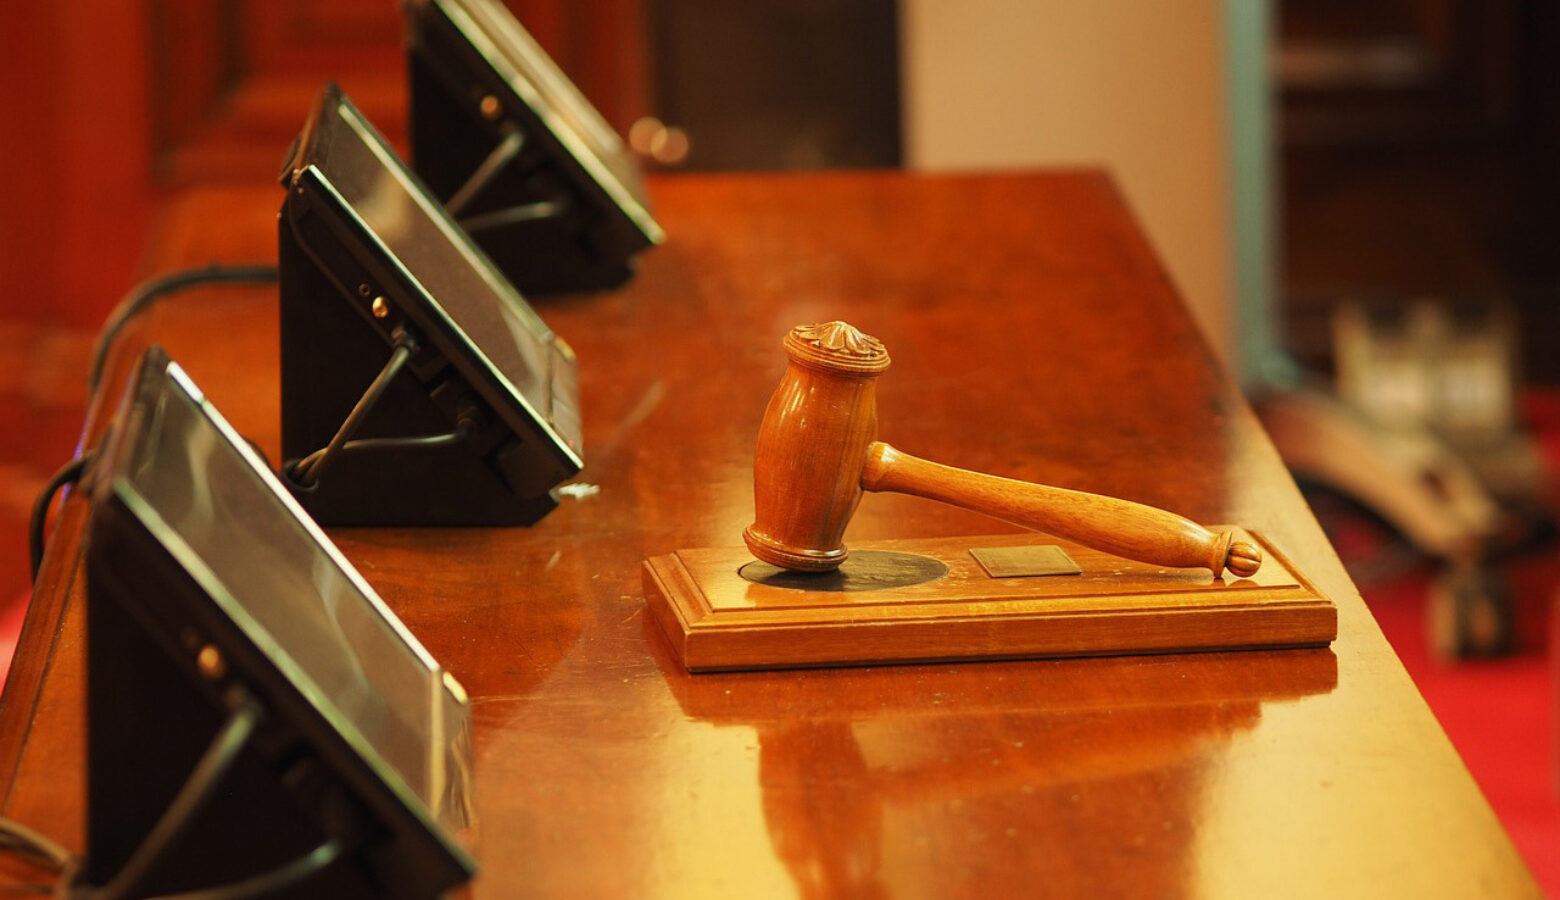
point(1035, 336)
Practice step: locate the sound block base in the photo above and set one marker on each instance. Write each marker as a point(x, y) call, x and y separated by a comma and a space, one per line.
point(717, 620)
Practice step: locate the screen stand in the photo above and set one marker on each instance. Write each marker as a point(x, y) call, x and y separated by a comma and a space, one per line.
point(524, 211)
point(149, 721)
point(331, 352)
point(499, 159)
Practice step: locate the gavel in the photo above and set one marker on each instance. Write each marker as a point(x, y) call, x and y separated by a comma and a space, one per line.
point(818, 451)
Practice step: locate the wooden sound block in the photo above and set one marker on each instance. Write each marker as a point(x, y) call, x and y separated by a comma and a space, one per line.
point(716, 619)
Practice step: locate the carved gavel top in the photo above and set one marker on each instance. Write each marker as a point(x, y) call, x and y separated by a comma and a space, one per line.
point(818, 450)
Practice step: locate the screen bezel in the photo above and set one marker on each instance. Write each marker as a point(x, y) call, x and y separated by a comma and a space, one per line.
point(538, 100)
point(253, 655)
point(310, 189)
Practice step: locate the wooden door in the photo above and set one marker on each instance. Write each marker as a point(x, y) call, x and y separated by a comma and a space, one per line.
point(107, 105)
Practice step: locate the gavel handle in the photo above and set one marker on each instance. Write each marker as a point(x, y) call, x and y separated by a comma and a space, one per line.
point(1121, 527)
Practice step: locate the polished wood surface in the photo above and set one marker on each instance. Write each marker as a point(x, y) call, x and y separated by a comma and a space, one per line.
point(1023, 309)
point(933, 601)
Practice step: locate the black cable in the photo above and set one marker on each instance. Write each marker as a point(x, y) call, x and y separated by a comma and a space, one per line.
point(69, 472)
point(501, 156)
point(309, 475)
point(147, 292)
point(188, 802)
point(267, 883)
point(18, 838)
point(514, 215)
point(389, 443)
point(204, 779)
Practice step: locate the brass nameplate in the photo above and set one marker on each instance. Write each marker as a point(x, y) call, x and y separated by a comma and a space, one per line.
point(1025, 562)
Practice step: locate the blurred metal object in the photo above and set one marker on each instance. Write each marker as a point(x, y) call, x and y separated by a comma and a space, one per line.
point(1449, 368)
point(654, 140)
point(1424, 432)
point(1406, 476)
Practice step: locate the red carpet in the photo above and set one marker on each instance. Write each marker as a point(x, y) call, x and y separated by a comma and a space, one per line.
point(1500, 714)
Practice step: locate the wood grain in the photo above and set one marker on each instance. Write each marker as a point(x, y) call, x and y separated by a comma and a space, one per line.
point(604, 769)
point(716, 619)
point(1117, 526)
point(812, 445)
point(816, 454)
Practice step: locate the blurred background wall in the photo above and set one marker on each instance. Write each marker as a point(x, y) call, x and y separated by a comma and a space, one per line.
point(1413, 138)
point(1137, 88)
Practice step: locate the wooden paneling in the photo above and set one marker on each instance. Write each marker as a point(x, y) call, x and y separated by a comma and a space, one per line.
point(107, 104)
point(285, 49)
point(305, 37)
point(1419, 142)
point(780, 84)
point(1407, 70)
point(74, 146)
point(195, 60)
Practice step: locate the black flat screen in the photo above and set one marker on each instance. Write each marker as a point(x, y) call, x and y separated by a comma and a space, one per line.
point(201, 493)
point(473, 303)
point(537, 81)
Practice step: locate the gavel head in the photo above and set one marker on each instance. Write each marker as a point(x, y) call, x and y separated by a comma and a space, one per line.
point(812, 447)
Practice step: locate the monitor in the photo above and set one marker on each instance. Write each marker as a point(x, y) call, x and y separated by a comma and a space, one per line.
point(368, 259)
point(524, 161)
point(206, 578)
